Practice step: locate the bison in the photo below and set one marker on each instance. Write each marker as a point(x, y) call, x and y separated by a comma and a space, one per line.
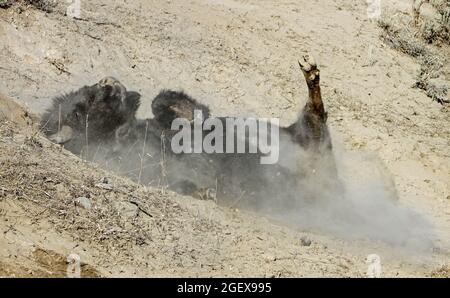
point(141, 148)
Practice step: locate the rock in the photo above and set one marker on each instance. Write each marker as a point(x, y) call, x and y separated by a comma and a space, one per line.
point(13, 112)
point(270, 258)
point(104, 186)
point(83, 202)
point(126, 209)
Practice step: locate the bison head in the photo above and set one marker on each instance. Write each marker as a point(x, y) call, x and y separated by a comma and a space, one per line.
point(90, 113)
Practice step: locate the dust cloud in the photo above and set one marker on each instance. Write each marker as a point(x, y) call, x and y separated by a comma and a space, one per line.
point(362, 204)
point(350, 195)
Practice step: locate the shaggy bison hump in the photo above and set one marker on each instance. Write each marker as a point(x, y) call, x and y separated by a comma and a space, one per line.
point(169, 105)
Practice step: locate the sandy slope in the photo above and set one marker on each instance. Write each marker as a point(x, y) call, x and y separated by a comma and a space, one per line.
point(240, 58)
point(133, 231)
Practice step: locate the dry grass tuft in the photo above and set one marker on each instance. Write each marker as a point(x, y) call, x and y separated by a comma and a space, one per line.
point(6, 3)
point(442, 272)
point(44, 5)
point(437, 29)
point(402, 38)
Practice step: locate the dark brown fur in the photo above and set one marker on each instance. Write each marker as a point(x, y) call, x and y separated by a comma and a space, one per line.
point(92, 112)
point(141, 149)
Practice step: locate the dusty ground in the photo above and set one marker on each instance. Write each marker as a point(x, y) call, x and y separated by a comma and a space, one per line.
point(240, 58)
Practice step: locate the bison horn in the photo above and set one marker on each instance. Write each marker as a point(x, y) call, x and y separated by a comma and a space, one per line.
point(62, 136)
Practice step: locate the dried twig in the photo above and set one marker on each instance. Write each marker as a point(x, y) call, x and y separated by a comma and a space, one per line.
point(87, 136)
point(163, 163)
point(143, 153)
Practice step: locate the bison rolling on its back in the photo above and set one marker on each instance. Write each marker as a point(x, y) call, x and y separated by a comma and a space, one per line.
point(141, 149)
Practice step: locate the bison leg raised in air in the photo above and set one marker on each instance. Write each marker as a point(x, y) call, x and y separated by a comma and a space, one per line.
point(311, 133)
point(310, 130)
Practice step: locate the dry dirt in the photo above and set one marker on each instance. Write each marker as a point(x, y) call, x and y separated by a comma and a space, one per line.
point(239, 57)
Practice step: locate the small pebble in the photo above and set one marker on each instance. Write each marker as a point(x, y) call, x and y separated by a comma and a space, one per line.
point(83, 202)
point(104, 186)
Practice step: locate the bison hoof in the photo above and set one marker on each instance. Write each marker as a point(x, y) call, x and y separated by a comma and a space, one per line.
point(108, 81)
point(307, 63)
point(308, 66)
point(115, 85)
